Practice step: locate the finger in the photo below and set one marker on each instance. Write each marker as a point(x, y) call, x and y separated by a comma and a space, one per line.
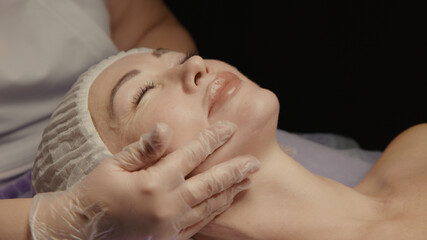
point(191, 231)
point(215, 180)
point(149, 149)
point(202, 214)
point(189, 156)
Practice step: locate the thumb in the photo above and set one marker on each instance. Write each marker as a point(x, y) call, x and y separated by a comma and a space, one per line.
point(148, 150)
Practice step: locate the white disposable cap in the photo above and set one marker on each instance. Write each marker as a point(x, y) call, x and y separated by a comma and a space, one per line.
point(71, 146)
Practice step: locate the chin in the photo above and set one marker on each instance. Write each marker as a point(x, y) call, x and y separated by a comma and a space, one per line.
point(256, 120)
point(257, 124)
point(259, 113)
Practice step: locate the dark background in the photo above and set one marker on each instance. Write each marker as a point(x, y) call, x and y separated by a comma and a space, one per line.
point(355, 68)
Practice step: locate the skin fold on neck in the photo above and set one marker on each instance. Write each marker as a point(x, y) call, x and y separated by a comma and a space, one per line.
point(286, 201)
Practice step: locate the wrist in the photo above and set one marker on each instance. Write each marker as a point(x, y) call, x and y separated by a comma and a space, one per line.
point(60, 215)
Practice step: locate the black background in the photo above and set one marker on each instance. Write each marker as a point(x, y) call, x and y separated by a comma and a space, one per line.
point(355, 68)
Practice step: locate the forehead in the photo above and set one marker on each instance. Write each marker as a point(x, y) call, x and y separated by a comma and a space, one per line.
point(100, 90)
point(106, 80)
point(127, 62)
point(122, 64)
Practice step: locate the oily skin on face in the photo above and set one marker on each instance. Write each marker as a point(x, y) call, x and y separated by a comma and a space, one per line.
point(129, 97)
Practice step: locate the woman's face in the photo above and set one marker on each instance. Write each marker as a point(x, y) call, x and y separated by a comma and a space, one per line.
point(188, 93)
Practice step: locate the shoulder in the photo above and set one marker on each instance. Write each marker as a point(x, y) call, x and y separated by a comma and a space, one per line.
point(399, 179)
point(404, 159)
point(413, 140)
point(407, 153)
point(419, 129)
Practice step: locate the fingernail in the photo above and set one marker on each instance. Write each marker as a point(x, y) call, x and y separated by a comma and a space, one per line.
point(252, 165)
point(226, 129)
point(159, 136)
point(244, 185)
point(227, 124)
point(161, 127)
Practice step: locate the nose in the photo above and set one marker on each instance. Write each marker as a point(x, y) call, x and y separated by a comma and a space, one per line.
point(193, 70)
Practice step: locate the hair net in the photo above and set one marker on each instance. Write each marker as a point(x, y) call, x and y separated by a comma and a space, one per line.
point(71, 147)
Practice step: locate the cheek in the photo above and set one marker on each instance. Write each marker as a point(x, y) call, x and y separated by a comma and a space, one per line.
point(255, 114)
point(251, 107)
point(183, 116)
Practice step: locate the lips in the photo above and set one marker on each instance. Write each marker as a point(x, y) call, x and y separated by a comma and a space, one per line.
point(224, 87)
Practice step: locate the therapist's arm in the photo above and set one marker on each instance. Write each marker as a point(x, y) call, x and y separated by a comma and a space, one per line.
point(147, 23)
point(14, 219)
point(139, 192)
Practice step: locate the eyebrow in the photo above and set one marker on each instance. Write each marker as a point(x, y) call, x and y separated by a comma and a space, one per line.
point(129, 75)
point(160, 51)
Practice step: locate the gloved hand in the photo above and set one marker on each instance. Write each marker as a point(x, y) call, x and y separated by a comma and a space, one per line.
point(136, 195)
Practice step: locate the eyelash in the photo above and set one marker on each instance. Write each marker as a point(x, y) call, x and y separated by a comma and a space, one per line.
point(142, 91)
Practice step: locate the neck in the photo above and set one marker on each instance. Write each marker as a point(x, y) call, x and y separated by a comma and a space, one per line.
point(286, 201)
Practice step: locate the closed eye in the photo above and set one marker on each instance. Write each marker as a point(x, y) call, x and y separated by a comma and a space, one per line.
point(142, 91)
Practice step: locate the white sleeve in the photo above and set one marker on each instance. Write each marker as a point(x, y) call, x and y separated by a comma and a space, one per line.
point(44, 46)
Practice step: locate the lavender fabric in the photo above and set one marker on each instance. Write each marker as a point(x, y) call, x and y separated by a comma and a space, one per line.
point(19, 187)
point(329, 155)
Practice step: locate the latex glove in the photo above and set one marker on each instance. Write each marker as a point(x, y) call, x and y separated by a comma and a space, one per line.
point(123, 198)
